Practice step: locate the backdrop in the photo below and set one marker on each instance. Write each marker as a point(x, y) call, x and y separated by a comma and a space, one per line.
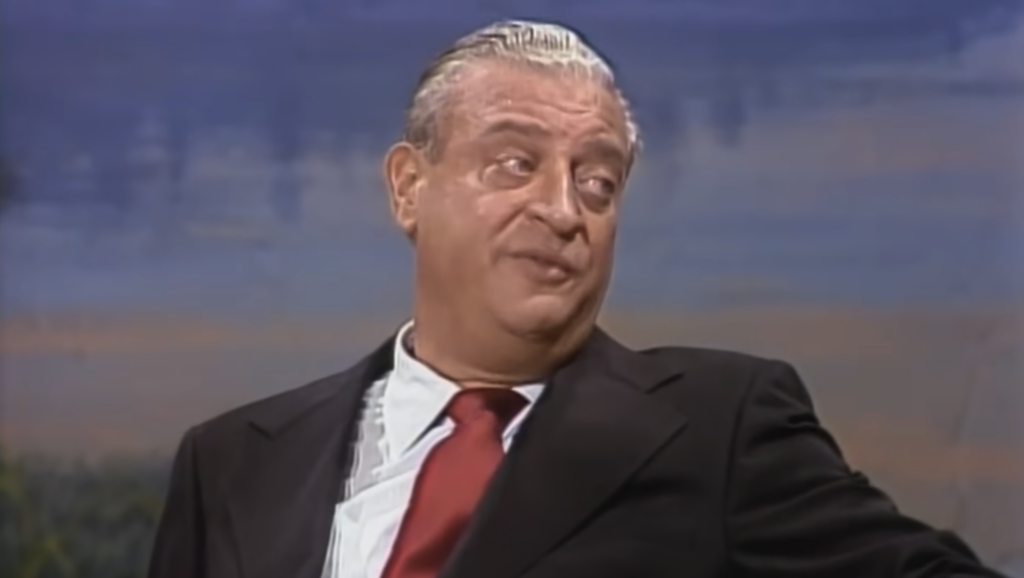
point(193, 219)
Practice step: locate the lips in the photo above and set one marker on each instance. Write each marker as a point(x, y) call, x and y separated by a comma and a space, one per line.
point(547, 259)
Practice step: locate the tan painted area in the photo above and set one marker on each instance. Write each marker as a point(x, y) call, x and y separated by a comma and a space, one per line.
point(815, 331)
point(182, 366)
point(916, 452)
point(83, 334)
point(927, 402)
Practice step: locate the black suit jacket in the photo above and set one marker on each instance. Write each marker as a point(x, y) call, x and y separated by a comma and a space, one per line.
point(664, 463)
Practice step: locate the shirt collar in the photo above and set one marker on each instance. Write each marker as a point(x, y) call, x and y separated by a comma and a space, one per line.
point(415, 395)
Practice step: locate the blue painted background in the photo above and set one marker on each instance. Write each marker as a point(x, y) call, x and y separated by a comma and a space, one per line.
point(192, 216)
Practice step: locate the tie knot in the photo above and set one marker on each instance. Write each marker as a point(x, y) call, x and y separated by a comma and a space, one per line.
point(501, 403)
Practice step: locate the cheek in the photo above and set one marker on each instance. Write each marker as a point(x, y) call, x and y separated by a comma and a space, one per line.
point(602, 254)
point(497, 211)
point(464, 224)
point(602, 238)
point(444, 205)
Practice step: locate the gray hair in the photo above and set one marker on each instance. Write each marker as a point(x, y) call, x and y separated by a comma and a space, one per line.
point(540, 44)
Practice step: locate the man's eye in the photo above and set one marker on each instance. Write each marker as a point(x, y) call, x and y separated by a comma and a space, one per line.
point(599, 185)
point(516, 165)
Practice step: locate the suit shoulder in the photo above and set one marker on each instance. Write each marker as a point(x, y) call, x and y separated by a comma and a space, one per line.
point(226, 424)
point(714, 372)
point(709, 360)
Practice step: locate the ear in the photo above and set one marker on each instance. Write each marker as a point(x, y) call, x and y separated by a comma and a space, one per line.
point(405, 174)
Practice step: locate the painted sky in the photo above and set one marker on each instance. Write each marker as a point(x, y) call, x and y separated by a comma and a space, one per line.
point(848, 152)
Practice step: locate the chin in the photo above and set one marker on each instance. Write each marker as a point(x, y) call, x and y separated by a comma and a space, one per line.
point(540, 316)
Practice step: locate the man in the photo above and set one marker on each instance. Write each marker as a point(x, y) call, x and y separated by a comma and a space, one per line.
point(500, 434)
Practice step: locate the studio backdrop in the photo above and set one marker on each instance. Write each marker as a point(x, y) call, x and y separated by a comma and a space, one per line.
point(193, 218)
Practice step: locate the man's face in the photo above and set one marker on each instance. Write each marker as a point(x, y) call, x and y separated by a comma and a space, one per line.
point(514, 219)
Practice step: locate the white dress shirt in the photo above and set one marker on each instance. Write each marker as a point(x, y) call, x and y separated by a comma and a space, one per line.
point(398, 427)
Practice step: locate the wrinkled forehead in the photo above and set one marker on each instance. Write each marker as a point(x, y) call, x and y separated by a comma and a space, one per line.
point(570, 99)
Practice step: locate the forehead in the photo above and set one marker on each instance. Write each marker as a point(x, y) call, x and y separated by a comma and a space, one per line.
point(567, 102)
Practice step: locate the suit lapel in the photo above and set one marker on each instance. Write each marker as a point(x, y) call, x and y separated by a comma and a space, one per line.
point(283, 493)
point(591, 430)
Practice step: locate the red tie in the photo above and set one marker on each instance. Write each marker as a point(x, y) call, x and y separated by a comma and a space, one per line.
point(451, 481)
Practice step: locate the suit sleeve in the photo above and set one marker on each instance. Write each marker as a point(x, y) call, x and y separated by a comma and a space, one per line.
point(180, 537)
point(796, 509)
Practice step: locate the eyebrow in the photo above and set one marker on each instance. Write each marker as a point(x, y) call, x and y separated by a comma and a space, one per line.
point(605, 147)
point(608, 149)
point(523, 127)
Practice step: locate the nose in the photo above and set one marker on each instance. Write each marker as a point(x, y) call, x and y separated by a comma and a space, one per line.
point(558, 205)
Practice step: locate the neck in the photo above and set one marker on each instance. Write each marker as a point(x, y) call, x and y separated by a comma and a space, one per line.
point(473, 356)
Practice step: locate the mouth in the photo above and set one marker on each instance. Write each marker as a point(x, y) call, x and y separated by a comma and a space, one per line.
point(553, 266)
